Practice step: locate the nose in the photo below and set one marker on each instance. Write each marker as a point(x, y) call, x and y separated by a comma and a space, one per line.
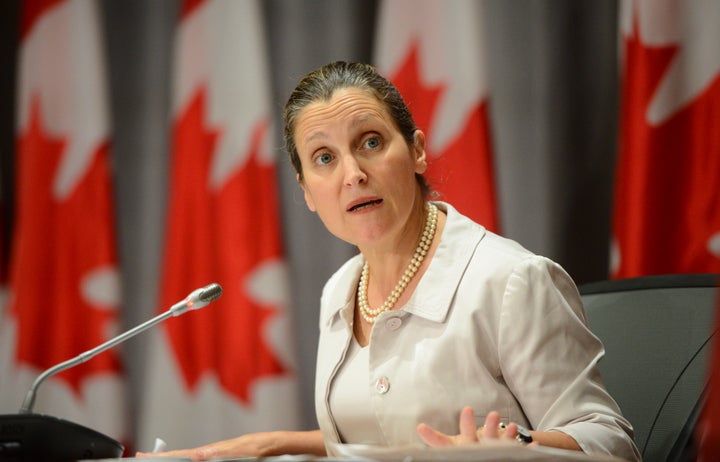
point(354, 174)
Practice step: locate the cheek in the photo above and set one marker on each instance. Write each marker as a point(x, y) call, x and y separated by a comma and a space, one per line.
point(319, 192)
point(401, 173)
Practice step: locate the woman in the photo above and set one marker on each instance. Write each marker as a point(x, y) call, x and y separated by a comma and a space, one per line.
point(436, 316)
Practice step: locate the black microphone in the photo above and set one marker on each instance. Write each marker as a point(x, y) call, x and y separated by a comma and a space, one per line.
point(29, 425)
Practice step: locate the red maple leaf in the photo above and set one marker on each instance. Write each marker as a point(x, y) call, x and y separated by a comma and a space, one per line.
point(188, 6)
point(32, 10)
point(461, 171)
point(220, 235)
point(666, 195)
point(58, 243)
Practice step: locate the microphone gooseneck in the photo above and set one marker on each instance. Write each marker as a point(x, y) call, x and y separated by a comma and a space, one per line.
point(197, 299)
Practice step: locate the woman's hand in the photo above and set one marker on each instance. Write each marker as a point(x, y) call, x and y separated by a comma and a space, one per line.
point(469, 433)
point(253, 445)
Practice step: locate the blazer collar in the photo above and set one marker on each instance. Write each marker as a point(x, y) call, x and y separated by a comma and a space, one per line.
point(434, 294)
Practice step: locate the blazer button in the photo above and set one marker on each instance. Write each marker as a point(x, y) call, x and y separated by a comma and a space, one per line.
point(393, 323)
point(382, 385)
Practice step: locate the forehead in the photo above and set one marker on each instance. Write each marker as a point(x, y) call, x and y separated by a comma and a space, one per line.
point(352, 105)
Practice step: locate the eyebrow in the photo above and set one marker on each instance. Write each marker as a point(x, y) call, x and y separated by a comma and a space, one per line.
point(363, 119)
point(315, 136)
point(358, 121)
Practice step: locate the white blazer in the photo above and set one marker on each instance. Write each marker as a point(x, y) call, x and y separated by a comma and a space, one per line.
point(489, 325)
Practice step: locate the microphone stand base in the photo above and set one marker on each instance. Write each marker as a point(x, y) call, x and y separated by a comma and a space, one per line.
point(37, 437)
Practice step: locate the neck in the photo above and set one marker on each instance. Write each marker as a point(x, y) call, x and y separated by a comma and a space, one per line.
point(407, 279)
point(388, 262)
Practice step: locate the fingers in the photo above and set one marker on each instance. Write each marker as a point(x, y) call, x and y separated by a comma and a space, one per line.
point(179, 453)
point(432, 437)
point(511, 431)
point(469, 433)
point(493, 428)
point(198, 454)
point(492, 422)
point(468, 429)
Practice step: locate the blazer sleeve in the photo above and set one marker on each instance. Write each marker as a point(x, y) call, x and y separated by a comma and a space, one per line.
point(549, 357)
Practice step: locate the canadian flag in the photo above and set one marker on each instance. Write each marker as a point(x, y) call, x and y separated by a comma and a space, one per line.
point(64, 288)
point(227, 369)
point(667, 192)
point(433, 52)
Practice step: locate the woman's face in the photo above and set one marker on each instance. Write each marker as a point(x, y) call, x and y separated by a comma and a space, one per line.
point(359, 172)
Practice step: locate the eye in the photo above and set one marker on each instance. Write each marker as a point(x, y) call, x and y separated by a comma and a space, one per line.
point(372, 143)
point(324, 158)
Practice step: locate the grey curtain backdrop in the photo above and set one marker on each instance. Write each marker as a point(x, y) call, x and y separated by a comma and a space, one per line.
point(553, 79)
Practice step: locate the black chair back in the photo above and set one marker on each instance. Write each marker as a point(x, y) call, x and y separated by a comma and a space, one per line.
point(656, 331)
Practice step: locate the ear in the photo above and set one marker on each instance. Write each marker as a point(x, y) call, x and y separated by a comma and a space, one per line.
point(308, 198)
point(419, 152)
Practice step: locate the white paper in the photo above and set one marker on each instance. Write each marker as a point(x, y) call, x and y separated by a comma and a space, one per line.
point(495, 450)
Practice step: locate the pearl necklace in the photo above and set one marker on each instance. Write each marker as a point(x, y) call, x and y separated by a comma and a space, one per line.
point(370, 314)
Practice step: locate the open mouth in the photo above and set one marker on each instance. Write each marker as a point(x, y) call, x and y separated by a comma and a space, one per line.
point(364, 205)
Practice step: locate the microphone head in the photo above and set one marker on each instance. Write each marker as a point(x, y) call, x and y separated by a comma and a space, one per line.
point(210, 293)
point(197, 299)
